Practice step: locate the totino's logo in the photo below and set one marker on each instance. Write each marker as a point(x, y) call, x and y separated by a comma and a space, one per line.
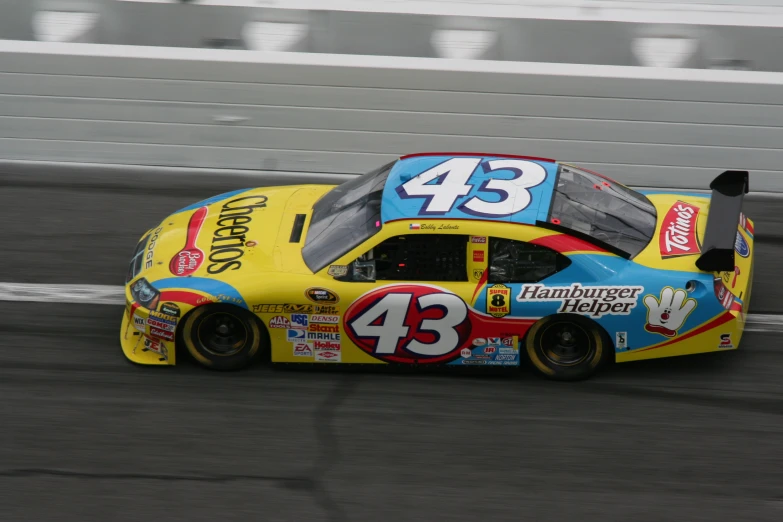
point(595, 301)
point(678, 231)
point(228, 240)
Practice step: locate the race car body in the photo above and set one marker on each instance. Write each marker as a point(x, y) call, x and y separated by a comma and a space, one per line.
point(446, 259)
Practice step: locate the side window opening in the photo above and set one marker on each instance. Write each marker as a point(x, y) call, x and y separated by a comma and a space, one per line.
point(420, 257)
point(513, 261)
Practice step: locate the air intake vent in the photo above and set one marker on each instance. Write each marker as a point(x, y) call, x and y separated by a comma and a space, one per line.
point(296, 232)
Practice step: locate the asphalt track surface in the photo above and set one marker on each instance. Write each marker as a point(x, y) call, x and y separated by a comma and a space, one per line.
point(85, 435)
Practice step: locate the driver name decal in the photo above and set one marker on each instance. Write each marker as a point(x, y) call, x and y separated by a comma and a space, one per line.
point(678, 231)
point(595, 301)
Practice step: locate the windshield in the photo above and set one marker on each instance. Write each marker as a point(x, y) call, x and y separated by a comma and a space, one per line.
point(344, 218)
point(603, 209)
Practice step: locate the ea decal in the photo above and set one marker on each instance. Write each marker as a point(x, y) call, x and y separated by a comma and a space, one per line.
point(322, 296)
point(741, 246)
point(409, 323)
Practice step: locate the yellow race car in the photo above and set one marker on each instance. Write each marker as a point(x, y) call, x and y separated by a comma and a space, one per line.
point(445, 259)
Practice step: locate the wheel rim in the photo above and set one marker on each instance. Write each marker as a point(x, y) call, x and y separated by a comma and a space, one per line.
point(565, 344)
point(222, 334)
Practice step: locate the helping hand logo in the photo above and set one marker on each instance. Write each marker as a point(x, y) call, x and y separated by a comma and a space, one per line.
point(667, 315)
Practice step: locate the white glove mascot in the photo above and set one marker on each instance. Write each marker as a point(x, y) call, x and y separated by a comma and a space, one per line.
point(668, 315)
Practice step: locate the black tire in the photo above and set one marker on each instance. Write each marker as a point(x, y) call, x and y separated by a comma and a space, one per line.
point(567, 347)
point(223, 337)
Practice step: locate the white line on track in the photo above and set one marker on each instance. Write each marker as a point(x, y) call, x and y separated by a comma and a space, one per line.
point(115, 295)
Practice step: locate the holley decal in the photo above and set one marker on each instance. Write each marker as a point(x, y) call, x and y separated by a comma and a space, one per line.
point(678, 231)
point(190, 258)
point(595, 301)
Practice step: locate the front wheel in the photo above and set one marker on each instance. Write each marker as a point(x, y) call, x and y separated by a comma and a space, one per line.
point(223, 337)
point(567, 347)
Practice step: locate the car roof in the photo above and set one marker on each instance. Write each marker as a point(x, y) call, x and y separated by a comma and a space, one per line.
point(457, 185)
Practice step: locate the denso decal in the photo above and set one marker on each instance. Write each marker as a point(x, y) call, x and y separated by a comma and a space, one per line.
point(189, 259)
point(595, 301)
point(418, 323)
point(678, 231)
point(667, 315)
point(741, 246)
point(326, 319)
point(322, 296)
point(228, 240)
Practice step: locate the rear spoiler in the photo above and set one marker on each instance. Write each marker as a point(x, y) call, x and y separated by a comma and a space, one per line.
point(728, 191)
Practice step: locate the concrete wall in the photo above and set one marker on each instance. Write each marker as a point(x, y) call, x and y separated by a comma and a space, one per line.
point(347, 114)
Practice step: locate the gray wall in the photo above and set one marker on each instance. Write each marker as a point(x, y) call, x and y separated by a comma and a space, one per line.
point(347, 114)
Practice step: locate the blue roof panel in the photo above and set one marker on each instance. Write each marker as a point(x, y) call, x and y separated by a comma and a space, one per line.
point(483, 187)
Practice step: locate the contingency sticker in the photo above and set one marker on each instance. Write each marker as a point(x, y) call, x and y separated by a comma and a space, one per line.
point(490, 351)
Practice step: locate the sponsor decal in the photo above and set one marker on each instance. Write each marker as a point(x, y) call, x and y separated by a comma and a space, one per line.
point(163, 317)
point(621, 340)
point(414, 226)
point(326, 328)
point(160, 325)
point(478, 239)
point(228, 240)
point(326, 345)
point(477, 273)
point(722, 293)
point(190, 258)
point(741, 246)
point(325, 319)
point(139, 323)
point(299, 321)
point(161, 334)
point(151, 247)
point(490, 349)
point(156, 346)
point(327, 355)
point(507, 350)
point(678, 231)
point(479, 342)
point(325, 309)
point(473, 361)
point(279, 321)
point(338, 270)
point(725, 341)
point(506, 357)
point(595, 301)
point(466, 352)
point(302, 350)
point(494, 340)
point(321, 336)
point(507, 341)
point(283, 308)
point(295, 335)
point(170, 309)
point(478, 256)
point(498, 300)
point(322, 295)
point(666, 315)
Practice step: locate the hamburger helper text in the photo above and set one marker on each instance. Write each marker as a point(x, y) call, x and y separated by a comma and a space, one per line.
point(577, 299)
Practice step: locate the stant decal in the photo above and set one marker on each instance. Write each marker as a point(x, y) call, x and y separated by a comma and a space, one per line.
point(666, 315)
point(189, 259)
point(498, 300)
point(678, 231)
point(595, 301)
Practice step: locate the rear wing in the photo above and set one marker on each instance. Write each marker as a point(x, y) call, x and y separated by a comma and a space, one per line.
point(728, 191)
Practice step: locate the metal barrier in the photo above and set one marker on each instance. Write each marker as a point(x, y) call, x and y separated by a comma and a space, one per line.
point(346, 114)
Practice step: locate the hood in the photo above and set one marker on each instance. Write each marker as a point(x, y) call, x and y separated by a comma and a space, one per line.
point(234, 234)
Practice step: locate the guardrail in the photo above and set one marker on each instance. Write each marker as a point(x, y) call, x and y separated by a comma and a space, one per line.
point(323, 113)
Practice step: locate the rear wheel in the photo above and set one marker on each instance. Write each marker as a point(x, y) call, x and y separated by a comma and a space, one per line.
point(223, 337)
point(567, 347)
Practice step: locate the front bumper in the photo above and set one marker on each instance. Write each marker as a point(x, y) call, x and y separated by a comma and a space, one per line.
point(138, 346)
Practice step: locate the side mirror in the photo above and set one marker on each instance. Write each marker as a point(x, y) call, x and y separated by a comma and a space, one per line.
point(363, 271)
